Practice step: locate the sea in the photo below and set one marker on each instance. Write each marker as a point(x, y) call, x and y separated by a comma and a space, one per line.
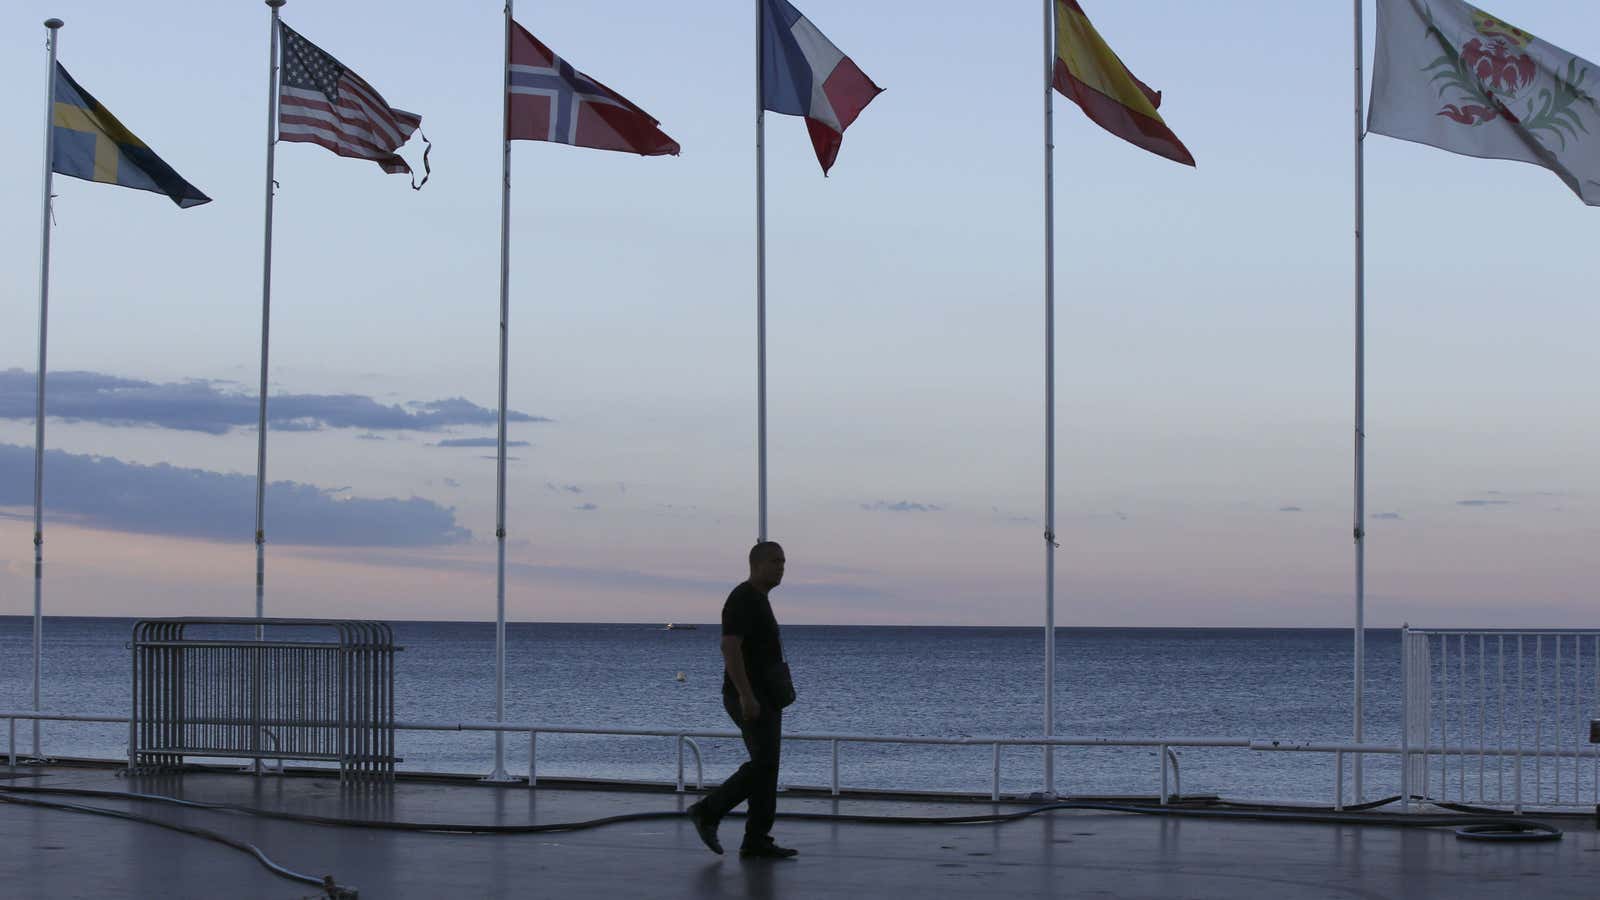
point(1262, 684)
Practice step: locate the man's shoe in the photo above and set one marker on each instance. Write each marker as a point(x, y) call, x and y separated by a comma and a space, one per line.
point(704, 827)
point(768, 850)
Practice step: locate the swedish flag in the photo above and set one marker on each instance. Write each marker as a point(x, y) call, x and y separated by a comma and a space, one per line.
point(91, 144)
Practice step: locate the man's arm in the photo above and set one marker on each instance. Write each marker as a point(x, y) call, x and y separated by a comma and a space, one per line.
point(733, 656)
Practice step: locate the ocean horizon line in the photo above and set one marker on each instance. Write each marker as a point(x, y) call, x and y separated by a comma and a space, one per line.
point(685, 625)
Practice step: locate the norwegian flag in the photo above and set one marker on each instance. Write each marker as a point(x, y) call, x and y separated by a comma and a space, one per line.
point(549, 100)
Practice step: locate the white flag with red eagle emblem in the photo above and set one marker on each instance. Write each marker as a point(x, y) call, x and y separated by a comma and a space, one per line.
point(1455, 77)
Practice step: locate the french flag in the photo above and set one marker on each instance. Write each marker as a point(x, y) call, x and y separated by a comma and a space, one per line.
point(804, 74)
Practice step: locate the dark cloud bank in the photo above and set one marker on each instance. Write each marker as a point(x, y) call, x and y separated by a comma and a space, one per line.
point(168, 500)
point(207, 407)
point(900, 506)
point(478, 442)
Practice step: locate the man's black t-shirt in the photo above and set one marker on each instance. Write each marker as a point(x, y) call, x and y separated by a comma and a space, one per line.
point(747, 614)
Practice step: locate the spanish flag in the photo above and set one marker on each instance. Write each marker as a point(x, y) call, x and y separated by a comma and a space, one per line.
point(1089, 74)
point(90, 143)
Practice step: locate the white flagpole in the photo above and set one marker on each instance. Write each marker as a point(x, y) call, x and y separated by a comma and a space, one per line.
point(761, 281)
point(1049, 398)
point(1361, 405)
point(52, 37)
point(499, 773)
point(266, 319)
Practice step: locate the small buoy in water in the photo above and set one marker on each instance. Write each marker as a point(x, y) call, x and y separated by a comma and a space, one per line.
point(681, 678)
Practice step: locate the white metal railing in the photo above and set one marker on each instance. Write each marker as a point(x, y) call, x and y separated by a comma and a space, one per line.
point(1494, 717)
point(1165, 746)
point(1501, 717)
point(688, 739)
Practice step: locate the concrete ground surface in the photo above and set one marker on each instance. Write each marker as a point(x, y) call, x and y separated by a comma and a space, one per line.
point(57, 854)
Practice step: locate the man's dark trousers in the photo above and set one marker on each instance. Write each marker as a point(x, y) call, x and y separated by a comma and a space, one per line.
point(756, 780)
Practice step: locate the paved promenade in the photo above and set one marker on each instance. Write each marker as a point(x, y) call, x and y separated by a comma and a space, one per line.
point(57, 854)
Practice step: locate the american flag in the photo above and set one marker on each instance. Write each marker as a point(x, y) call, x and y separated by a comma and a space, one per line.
point(322, 102)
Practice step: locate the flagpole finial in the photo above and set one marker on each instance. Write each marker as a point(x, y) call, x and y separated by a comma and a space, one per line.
point(53, 23)
point(276, 3)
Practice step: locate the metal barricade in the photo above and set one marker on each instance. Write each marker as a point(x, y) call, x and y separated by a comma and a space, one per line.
point(264, 689)
point(1499, 717)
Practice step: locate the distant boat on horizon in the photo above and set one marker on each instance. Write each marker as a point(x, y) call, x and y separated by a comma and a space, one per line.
point(675, 627)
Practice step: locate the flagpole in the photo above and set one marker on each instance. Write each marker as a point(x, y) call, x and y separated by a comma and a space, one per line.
point(1361, 404)
point(52, 37)
point(499, 773)
point(761, 281)
point(1049, 400)
point(266, 318)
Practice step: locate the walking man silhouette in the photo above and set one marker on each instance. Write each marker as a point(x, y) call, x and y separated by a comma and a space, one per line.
point(755, 689)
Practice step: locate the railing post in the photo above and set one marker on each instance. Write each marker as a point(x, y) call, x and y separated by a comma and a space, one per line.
point(699, 764)
point(1444, 717)
point(1405, 717)
point(1483, 712)
point(1500, 724)
point(13, 746)
point(834, 747)
point(1555, 724)
point(1338, 779)
point(1164, 793)
point(994, 793)
point(533, 757)
point(1538, 719)
point(1522, 698)
point(680, 763)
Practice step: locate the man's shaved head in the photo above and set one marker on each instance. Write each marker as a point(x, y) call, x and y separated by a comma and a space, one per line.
point(766, 565)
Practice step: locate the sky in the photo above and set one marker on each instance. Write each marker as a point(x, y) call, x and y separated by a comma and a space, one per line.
point(1204, 333)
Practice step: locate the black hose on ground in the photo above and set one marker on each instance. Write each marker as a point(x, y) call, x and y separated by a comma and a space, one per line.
point(1493, 828)
point(1218, 803)
point(332, 889)
point(1514, 831)
point(1468, 826)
